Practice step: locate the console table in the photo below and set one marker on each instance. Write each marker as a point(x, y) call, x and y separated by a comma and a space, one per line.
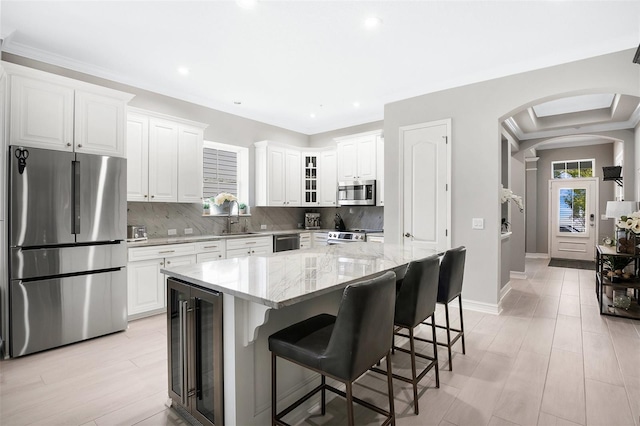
point(605, 257)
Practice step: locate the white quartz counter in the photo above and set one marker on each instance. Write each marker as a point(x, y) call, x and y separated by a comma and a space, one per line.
point(191, 239)
point(286, 278)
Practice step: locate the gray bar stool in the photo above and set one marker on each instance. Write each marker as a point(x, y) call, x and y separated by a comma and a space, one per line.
point(450, 287)
point(415, 302)
point(341, 347)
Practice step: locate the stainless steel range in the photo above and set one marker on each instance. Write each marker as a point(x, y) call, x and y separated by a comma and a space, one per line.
point(351, 236)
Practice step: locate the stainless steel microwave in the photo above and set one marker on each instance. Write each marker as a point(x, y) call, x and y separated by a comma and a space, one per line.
point(357, 193)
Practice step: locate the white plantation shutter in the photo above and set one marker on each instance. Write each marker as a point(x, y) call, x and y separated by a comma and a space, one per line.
point(220, 172)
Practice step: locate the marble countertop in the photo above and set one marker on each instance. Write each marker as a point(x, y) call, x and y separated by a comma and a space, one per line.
point(197, 238)
point(285, 278)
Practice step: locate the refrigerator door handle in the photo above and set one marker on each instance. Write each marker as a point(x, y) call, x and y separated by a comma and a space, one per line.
point(76, 197)
point(182, 353)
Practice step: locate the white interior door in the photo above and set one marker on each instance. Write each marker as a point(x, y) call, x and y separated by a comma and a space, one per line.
point(426, 175)
point(573, 213)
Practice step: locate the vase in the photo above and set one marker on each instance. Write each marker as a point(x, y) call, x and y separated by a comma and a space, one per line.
point(207, 211)
point(222, 209)
point(627, 242)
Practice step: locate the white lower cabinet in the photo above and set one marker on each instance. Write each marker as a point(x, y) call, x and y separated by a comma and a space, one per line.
point(319, 239)
point(249, 246)
point(305, 240)
point(210, 250)
point(146, 285)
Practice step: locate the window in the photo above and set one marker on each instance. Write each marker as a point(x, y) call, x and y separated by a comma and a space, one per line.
point(572, 169)
point(225, 169)
point(572, 210)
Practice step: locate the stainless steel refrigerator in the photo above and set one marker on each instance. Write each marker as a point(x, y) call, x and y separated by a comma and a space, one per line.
point(67, 250)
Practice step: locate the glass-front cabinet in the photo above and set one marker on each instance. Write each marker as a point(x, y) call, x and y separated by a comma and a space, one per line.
point(310, 196)
point(194, 324)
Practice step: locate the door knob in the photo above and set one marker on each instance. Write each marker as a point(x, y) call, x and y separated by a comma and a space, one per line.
point(407, 235)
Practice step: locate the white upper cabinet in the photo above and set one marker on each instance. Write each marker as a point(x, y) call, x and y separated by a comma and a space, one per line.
point(137, 157)
point(278, 175)
point(163, 165)
point(328, 177)
point(164, 158)
point(380, 171)
point(99, 124)
point(357, 156)
point(52, 112)
point(190, 140)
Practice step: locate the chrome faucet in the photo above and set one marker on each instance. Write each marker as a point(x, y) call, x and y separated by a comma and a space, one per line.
point(229, 221)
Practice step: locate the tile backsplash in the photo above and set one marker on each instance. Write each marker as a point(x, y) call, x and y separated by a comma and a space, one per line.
point(160, 217)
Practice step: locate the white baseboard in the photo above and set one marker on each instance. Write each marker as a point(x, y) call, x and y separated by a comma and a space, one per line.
point(517, 275)
point(504, 291)
point(486, 308)
point(536, 255)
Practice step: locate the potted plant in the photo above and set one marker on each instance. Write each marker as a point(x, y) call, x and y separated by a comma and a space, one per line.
point(243, 208)
point(206, 207)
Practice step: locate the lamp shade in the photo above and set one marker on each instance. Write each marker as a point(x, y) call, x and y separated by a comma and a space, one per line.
point(617, 209)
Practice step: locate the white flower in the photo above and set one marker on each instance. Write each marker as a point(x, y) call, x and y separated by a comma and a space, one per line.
point(222, 197)
point(622, 224)
point(636, 227)
point(506, 194)
point(635, 215)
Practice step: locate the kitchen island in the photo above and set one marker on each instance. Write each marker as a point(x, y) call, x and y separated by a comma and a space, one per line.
point(259, 296)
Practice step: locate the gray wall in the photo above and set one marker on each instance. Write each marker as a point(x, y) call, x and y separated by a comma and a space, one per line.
point(531, 201)
point(603, 155)
point(476, 112)
point(326, 138)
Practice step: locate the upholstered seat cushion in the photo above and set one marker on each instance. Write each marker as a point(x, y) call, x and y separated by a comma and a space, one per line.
point(304, 342)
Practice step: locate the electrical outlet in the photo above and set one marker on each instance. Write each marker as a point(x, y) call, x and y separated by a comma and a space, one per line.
point(172, 232)
point(477, 223)
point(263, 226)
point(188, 231)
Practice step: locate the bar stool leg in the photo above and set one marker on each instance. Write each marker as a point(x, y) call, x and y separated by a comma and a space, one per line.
point(414, 382)
point(350, 403)
point(461, 323)
point(324, 396)
point(390, 391)
point(273, 389)
point(435, 348)
point(446, 312)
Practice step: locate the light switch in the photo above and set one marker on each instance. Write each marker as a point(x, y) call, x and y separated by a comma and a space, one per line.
point(477, 223)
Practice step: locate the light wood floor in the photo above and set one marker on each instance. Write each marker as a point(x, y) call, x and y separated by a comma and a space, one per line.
point(549, 359)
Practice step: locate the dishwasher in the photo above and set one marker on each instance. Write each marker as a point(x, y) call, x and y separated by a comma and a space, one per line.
point(284, 242)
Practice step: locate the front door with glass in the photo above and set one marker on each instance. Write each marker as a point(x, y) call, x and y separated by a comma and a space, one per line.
point(573, 213)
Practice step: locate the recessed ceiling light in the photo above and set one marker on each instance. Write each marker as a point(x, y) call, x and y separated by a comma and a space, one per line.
point(312, 115)
point(237, 102)
point(247, 4)
point(183, 70)
point(356, 104)
point(372, 22)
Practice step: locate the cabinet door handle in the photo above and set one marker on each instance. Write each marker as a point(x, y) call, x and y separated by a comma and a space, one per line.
point(168, 262)
point(407, 235)
point(166, 251)
point(251, 242)
point(161, 263)
point(208, 247)
point(68, 143)
point(79, 145)
point(153, 196)
point(145, 195)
